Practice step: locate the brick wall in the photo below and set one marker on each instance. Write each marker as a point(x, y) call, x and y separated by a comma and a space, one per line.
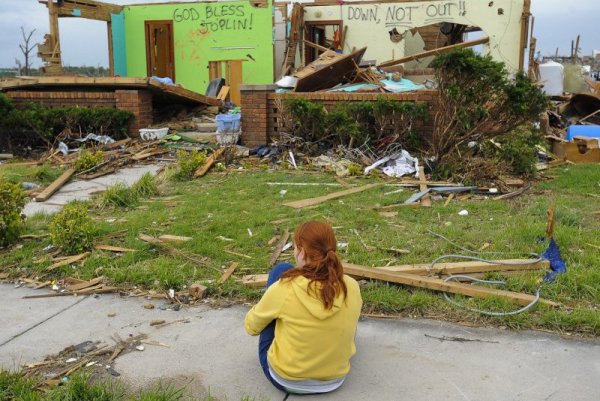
point(261, 118)
point(138, 102)
point(66, 98)
point(256, 124)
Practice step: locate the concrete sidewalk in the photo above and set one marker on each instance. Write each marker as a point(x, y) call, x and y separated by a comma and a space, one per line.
point(85, 189)
point(395, 359)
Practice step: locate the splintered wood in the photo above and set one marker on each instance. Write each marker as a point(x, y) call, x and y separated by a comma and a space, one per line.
point(279, 248)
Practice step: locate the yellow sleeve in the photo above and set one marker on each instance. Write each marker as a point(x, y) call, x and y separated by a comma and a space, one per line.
point(266, 310)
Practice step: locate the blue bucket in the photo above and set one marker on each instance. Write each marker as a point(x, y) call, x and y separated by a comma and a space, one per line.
point(228, 123)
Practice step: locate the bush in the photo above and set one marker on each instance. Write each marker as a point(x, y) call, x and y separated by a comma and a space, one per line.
point(189, 162)
point(352, 124)
point(145, 187)
point(479, 101)
point(72, 229)
point(35, 124)
point(88, 160)
point(518, 148)
point(12, 200)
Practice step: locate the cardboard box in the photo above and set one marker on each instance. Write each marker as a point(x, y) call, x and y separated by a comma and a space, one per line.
point(576, 152)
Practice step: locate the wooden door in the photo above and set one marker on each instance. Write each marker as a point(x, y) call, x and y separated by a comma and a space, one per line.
point(160, 57)
point(234, 80)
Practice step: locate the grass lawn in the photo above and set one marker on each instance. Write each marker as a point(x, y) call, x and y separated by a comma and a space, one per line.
point(83, 387)
point(235, 211)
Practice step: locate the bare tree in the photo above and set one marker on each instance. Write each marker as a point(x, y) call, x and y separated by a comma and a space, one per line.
point(26, 48)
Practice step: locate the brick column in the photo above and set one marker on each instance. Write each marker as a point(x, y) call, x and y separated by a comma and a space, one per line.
point(255, 122)
point(138, 102)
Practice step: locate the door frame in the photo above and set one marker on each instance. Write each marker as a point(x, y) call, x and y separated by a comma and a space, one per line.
point(308, 26)
point(147, 24)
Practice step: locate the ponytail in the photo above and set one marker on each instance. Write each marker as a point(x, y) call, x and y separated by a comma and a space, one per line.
point(324, 267)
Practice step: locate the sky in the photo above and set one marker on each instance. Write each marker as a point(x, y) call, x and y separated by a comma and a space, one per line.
point(84, 42)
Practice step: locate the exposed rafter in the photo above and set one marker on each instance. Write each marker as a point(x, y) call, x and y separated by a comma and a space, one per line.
point(89, 9)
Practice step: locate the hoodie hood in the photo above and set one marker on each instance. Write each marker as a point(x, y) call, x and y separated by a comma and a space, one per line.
point(311, 299)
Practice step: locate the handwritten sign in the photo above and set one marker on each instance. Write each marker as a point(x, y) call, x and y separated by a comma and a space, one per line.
point(216, 17)
point(394, 15)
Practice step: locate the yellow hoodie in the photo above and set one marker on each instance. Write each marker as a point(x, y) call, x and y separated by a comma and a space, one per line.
point(311, 342)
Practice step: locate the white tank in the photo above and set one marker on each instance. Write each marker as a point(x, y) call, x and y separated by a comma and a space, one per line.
point(552, 76)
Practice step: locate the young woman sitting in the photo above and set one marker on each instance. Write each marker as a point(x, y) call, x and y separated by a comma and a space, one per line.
point(307, 318)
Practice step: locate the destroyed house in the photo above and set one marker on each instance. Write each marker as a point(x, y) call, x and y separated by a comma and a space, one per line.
point(391, 30)
point(191, 43)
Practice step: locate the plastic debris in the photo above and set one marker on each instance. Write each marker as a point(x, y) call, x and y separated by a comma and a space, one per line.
point(463, 213)
point(140, 348)
point(396, 165)
point(71, 360)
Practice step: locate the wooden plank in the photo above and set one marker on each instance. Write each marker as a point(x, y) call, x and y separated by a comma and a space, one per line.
point(282, 241)
point(209, 162)
point(117, 144)
point(149, 153)
point(55, 186)
point(68, 261)
point(255, 280)
point(174, 238)
point(228, 272)
point(111, 248)
point(426, 200)
point(424, 269)
point(86, 284)
point(315, 201)
point(434, 52)
point(437, 284)
point(449, 199)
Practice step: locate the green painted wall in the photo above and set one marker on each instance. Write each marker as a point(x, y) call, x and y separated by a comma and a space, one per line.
point(205, 32)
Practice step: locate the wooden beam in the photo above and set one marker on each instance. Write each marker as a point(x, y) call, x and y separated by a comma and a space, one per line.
point(315, 201)
point(88, 9)
point(437, 284)
point(425, 269)
point(55, 186)
point(255, 280)
point(426, 200)
point(434, 52)
point(228, 272)
point(111, 248)
point(209, 162)
point(279, 247)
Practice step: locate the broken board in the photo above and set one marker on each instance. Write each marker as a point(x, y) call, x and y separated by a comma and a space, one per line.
point(328, 70)
point(315, 201)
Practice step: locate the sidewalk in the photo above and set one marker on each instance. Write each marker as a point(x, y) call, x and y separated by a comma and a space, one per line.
point(395, 359)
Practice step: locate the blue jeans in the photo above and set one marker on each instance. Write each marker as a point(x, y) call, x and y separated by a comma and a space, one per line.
point(268, 334)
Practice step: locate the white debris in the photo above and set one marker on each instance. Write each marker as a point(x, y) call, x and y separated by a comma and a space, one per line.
point(463, 213)
point(396, 165)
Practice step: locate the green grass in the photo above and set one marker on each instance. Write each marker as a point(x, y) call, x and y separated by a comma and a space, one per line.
point(83, 387)
point(226, 205)
point(42, 175)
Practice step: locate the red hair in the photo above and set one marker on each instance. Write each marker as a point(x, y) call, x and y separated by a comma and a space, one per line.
point(323, 267)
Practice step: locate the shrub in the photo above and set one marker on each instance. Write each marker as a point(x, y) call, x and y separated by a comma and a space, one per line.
point(518, 148)
point(12, 200)
point(34, 124)
point(88, 160)
point(479, 101)
point(72, 229)
point(379, 123)
point(189, 162)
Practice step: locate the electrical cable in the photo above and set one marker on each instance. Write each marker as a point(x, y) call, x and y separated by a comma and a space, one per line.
point(496, 282)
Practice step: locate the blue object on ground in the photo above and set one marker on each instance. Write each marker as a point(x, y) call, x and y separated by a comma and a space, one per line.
point(590, 131)
point(227, 123)
point(557, 263)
